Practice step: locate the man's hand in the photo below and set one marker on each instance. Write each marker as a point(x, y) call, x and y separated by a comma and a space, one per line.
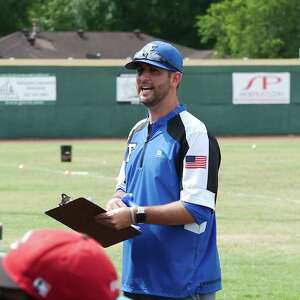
point(114, 203)
point(118, 218)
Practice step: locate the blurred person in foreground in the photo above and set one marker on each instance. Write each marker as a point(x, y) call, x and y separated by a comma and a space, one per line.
point(52, 264)
point(170, 172)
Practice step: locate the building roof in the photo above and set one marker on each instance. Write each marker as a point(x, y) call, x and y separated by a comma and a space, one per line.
point(106, 45)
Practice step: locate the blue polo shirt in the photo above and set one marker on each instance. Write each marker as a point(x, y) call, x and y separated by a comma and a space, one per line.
point(172, 159)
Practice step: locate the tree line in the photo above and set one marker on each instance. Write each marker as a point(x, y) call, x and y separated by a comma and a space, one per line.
point(233, 28)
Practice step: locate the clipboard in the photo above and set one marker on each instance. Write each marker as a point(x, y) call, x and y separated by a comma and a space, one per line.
point(79, 213)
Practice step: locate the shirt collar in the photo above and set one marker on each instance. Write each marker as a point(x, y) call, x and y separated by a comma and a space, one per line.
point(163, 120)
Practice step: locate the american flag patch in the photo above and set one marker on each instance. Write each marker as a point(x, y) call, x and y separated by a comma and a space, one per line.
point(195, 162)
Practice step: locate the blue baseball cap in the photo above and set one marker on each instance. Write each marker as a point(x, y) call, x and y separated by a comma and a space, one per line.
point(159, 54)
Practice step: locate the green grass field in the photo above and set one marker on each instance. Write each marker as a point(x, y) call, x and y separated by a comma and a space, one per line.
point(258, 206)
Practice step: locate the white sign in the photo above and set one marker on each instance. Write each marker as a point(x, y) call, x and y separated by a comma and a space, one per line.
point(126, 88)
point(261, 88)
point(27, 88)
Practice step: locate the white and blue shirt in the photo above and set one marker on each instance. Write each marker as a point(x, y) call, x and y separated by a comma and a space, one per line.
point(172, 159)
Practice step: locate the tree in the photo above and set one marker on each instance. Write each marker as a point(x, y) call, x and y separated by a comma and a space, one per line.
point(64, 15)
point(13, 15)
point(173, 20)
point(251, 28)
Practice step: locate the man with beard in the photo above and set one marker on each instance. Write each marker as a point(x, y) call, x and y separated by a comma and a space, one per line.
point(170, 174)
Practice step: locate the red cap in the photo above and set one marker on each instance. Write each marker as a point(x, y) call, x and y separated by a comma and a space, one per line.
point(52, 264)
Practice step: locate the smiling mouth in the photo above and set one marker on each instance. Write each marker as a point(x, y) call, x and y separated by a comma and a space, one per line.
point(146, 88)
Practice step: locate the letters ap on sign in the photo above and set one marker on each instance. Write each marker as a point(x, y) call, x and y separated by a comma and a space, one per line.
point(261, 88)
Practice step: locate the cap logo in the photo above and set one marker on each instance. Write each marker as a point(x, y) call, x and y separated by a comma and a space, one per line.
point(114, 285)
point(41, 286)
point(159, 54)
point(150, 50)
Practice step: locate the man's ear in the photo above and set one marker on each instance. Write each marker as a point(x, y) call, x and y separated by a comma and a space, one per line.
point(176, 78)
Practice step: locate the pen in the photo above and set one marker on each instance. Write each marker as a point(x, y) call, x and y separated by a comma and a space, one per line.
point(128, 199)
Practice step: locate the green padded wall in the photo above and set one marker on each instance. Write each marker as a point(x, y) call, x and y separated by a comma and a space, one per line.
point(86, 103)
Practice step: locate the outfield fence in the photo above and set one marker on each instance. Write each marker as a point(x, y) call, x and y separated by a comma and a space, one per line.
point(78, 98)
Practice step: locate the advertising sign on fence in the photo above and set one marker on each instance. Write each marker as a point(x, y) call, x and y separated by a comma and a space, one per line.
point(27, 88)
point(126, 88)
point(261, 88)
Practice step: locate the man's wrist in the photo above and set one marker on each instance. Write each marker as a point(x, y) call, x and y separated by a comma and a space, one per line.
point(132, 211)
point(137, 214)
point(140, 215)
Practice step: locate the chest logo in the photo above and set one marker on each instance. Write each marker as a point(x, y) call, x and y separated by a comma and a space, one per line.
point(158, 153)
point(131, 147)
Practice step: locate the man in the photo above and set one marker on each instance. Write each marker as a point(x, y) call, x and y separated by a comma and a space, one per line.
point(53, 264)
point(171, 169)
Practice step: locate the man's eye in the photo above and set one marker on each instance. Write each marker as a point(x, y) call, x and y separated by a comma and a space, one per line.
point(140, 71)
point(154, 70)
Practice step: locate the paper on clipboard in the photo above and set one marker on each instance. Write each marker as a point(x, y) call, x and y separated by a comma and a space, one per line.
point(79, 215)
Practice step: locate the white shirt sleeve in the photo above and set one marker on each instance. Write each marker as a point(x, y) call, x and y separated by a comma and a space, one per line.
point(121, 183)
point(196, 169)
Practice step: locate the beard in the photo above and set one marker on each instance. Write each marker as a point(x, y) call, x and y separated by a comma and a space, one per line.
point(156, 95)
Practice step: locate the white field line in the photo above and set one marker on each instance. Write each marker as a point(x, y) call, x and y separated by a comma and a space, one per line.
point(98, 175)
point(66, 172)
